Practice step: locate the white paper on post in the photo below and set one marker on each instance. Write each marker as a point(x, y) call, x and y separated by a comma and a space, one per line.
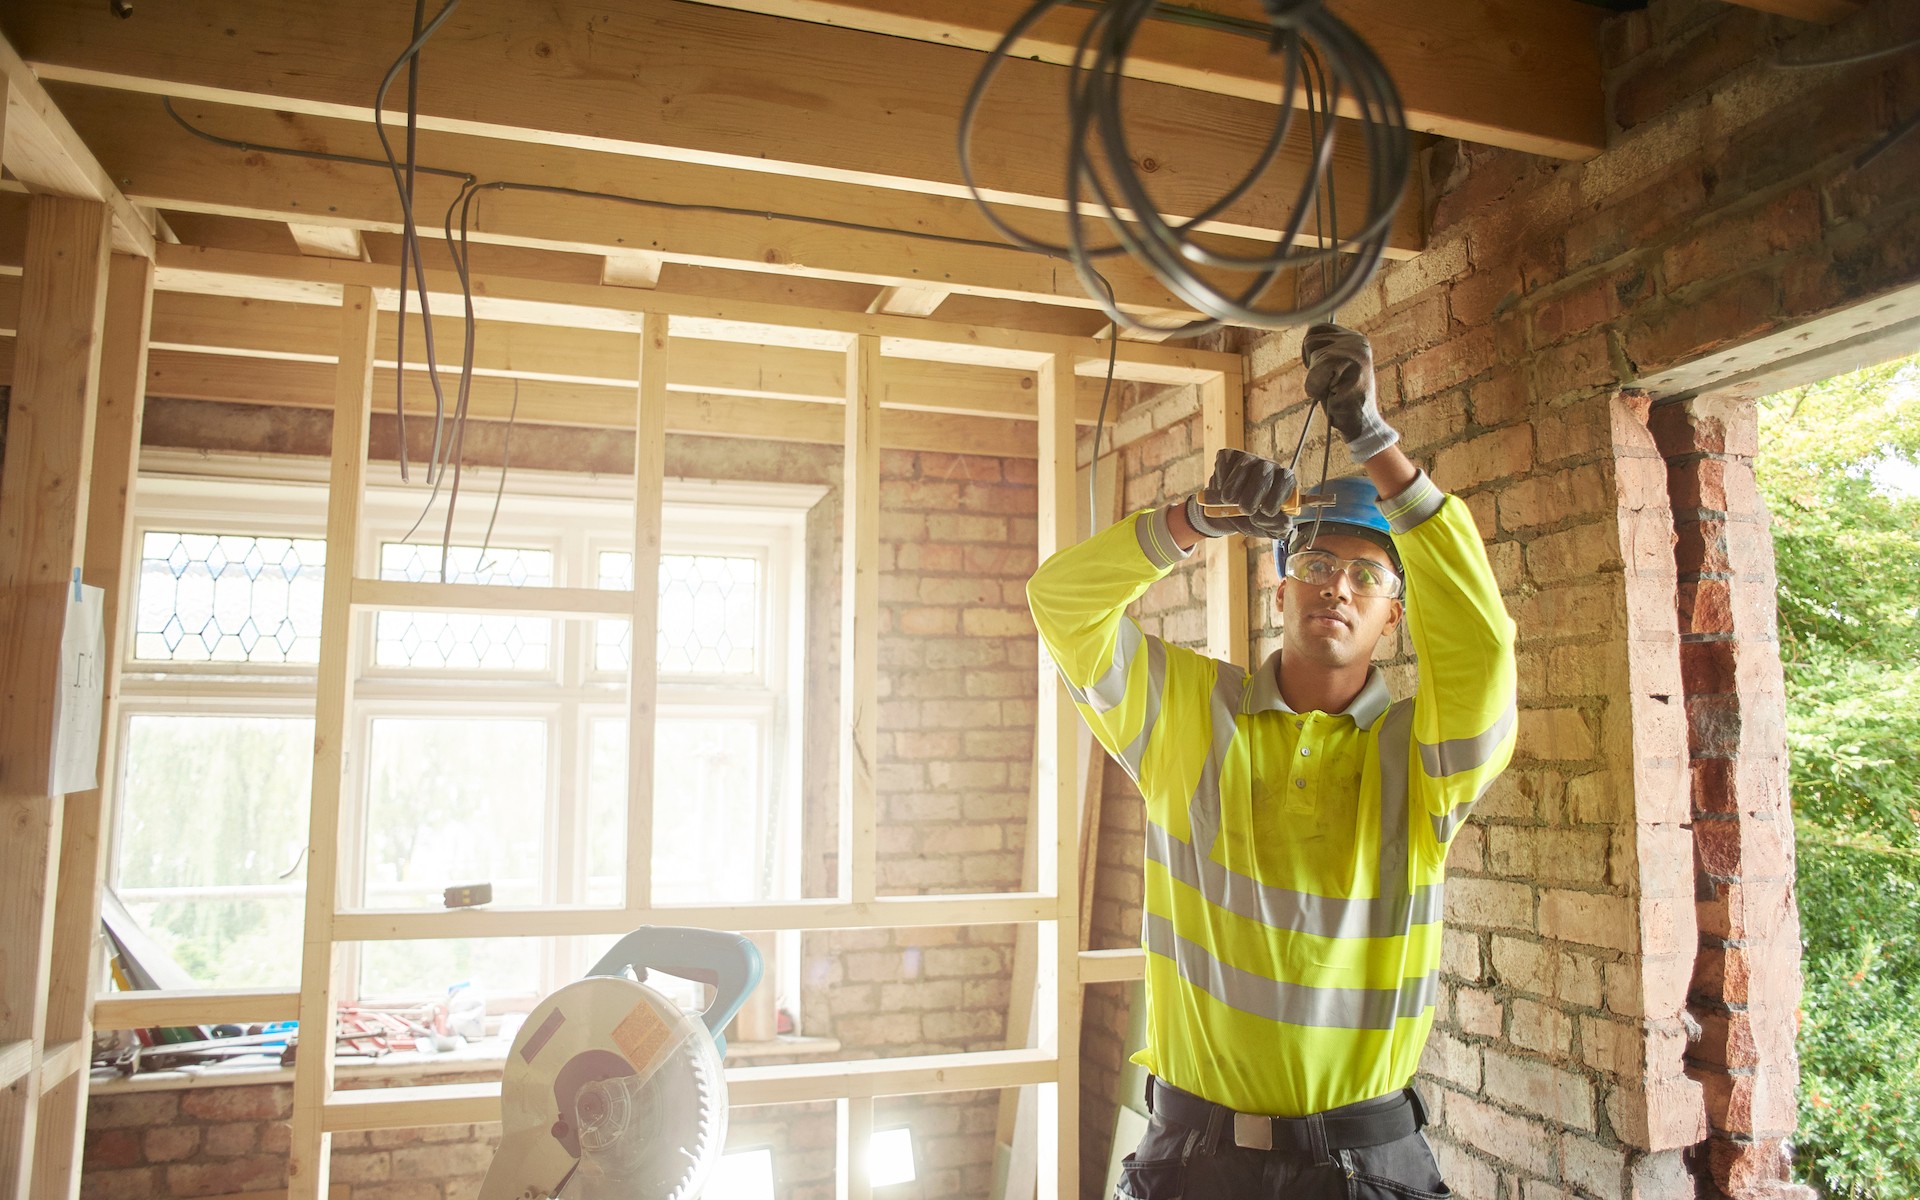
point(77, 706)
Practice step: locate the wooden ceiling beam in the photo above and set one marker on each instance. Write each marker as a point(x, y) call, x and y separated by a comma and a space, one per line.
point(1524, 74)
point(310, 385)
point(42, 150)
point(662, 79)
point(230, 327)
point(318, 281)
point(164, 165)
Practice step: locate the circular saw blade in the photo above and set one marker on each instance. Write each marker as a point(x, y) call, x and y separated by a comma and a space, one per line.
point(610, 1091)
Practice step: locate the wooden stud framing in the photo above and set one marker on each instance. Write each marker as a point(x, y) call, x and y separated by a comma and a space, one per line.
point(643, 668)
point(1223, 417)
point(1057, 742)
point(860, 623)
point(1054, 906)
point(145, 1010)
point(43, 517)
point(83, 842)
point(853, 1132)
point(307, 1162)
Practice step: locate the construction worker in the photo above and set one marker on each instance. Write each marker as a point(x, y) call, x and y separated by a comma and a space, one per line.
point(1298, 818)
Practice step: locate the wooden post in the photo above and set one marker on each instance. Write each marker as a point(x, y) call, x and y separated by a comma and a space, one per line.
point(83, 842)
point(43, 518)
point(853, 1159)
point(311, 1144)
point(643, 672)
point(860, 622)
point(1059, 859)
point(1223, 417)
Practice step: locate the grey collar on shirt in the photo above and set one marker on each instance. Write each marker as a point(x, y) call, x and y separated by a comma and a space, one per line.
point(1263, 694)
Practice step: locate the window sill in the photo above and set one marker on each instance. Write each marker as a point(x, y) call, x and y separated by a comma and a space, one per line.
point(477, 1063)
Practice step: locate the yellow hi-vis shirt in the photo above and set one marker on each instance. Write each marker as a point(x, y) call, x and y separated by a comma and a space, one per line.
point(1294, 861)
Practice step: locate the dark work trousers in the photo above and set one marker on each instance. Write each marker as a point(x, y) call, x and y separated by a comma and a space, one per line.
point(1175, 1162)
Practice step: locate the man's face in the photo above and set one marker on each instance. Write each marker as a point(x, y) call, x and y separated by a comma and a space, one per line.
point(1327, 623)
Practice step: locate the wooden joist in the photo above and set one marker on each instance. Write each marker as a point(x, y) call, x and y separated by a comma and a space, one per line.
point(773, 97)
point(533, 301)
point(43, 151)
point(1465, 70)
point(164, 165)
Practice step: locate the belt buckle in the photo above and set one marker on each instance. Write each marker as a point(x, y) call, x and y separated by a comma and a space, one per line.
point(1252, 1132)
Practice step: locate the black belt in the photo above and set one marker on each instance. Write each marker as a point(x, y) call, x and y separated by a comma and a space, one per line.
point(1348, 1127)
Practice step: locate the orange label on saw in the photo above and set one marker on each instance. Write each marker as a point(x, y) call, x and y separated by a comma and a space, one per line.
point(644, 1039)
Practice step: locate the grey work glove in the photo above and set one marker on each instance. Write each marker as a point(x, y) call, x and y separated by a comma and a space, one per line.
point(1258, 486)
point(1340, 376)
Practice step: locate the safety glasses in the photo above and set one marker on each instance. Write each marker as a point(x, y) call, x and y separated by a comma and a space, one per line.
point(1364, 576)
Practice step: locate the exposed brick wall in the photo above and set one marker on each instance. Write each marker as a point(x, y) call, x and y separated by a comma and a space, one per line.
point(1746, 984)
point(214, 1141)
point(1727, 206)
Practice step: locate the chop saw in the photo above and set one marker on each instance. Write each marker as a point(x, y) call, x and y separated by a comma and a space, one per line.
point(611, 1090)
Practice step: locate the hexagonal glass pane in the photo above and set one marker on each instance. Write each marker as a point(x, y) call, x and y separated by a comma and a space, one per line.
point(710, 609)
point(208, 598)
point(464, 641)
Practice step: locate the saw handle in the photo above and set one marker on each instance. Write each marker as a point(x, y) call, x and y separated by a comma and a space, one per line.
point(726, 962)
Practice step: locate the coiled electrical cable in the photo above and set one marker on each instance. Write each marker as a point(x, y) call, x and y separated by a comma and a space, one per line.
point(1323, 67)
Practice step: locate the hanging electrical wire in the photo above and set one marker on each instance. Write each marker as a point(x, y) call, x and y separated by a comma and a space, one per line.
point(1324, 67)
point(410, 233)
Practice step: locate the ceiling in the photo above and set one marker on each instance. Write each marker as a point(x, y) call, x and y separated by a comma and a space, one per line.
point(781, 147)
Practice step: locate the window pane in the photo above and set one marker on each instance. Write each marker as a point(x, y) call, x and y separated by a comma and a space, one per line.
point(455, 801)
point(213, 812)
point(709, 615)
point(712, 840)
point(463, 641)
point(228, 598)
point(497, 966)
point(606, 824)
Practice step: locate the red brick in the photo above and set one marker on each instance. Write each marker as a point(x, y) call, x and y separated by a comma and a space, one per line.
point(1450, 363)
point(1495, 455)
point(238, 1103)
point(1588, 305)
point(136, 1110)
point(1536, 1087)
point(1655, 86)
point(1479, 297)
point(114, 1148)
point(1658, 1114)
point(1672, 331)
point(1549, 499)
point(974, 468)
point(257, 1174)
point(140, 1183)
point(1749, 1169)
point(1488, 903)
point(171, 1143)
point(1500, 1135)
point(1706, 607)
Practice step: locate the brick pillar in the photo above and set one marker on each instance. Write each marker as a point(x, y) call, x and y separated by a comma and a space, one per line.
point(1746, 981)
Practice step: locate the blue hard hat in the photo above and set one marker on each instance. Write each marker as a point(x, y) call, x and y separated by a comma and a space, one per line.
point(1355, 511)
